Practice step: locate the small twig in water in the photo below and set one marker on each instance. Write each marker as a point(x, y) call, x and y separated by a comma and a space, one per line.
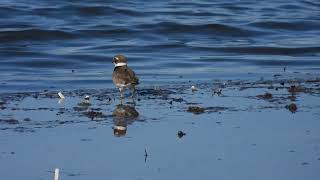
point(56, 174)
point(145, 155)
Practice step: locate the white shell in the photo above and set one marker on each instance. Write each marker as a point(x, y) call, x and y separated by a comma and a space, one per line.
point(61, 95)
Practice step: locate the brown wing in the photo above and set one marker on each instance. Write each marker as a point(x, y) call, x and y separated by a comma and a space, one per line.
point(124, 75)
point(133, 78)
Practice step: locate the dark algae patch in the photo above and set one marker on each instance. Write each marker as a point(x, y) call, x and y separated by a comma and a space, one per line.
point(296, 89)
point(104, 105)
point(265, 96)
point(196, 109)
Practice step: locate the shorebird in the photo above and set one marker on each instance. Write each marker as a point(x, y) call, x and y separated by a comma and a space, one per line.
point(123, 77)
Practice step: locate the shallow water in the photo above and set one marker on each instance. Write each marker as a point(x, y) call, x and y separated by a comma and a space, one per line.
point(43, 41)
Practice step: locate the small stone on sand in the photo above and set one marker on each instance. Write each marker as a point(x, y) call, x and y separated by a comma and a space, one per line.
point(292, 107)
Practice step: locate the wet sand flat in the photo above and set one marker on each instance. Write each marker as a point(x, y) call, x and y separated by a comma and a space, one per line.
point(236, 129)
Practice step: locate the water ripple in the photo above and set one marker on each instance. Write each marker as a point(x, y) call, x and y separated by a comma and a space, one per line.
point(159, 37)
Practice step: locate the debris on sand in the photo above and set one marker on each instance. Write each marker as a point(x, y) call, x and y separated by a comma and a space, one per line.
point(177, 100)
point(217, 91)
point(266, 95)
point(9, 121)
point(296, 89)
point(181, 134)
point(85, 102)
point(292, 107)
point(193, 88)
point(26, 119)
point(195, 109)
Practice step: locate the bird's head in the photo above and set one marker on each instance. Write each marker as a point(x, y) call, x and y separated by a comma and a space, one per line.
point(119, 60)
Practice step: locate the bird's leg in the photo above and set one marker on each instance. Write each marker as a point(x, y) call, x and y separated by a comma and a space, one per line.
point(121, 93)
point(134, 92)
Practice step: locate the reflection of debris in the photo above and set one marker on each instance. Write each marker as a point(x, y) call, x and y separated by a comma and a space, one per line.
point(61, 95)
point(265, 96)
point(94, 114)
point(292, 107)
point(193, 89)
point(61, 100)
point(181, 134)
point(195, 109)
point(216, 109)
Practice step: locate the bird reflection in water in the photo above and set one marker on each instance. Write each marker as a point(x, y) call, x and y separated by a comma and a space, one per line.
point(123, 115)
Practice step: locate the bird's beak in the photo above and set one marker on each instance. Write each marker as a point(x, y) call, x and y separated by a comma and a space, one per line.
point(114, 59)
